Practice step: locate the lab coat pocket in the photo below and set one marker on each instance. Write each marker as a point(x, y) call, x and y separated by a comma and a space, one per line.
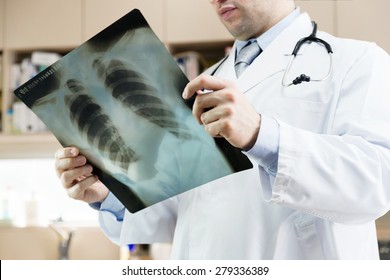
point(305, 114)
point(308, 237)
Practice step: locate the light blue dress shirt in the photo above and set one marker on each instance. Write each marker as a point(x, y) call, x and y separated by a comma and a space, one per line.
point(265, 151)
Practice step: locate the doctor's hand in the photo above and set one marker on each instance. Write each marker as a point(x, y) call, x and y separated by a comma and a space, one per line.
point(77, 178)
point(225, 112)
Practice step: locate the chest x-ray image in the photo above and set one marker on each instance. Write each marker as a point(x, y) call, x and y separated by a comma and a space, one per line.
point(117, 97)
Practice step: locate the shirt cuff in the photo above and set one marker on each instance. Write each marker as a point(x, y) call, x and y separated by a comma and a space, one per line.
point(112, 205)
point(266, 149)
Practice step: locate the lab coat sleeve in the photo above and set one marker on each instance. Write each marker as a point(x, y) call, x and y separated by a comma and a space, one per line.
point(153, 224)
point(343, 176)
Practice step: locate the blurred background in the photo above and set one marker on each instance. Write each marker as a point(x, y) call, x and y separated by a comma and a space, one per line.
point(37, 219)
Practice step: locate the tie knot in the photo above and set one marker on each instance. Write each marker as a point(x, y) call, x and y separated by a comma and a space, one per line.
point(246, 55)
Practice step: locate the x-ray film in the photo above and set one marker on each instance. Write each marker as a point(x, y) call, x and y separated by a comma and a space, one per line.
point(117, 97)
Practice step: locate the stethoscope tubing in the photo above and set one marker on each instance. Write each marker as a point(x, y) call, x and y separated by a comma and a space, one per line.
point(302, 78)
point(309, 39)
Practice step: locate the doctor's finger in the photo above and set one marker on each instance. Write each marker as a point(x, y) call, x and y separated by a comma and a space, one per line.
point(215, 114)
point(78, 191)
point(71, 177)
point(66, 152)
point(64, 164)
point(214, 129)
point(204, 103)
point(203, 82)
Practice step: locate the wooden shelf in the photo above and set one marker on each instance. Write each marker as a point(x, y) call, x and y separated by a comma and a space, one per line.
point(28, 146)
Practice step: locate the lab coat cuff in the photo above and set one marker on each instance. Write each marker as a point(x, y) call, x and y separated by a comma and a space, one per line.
point(266, 149)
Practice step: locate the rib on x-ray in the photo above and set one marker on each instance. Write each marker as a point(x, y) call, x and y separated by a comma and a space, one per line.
point(97, 126)
point(131, 89)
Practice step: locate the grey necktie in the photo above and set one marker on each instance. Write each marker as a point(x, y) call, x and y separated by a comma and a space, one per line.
point(245, 57)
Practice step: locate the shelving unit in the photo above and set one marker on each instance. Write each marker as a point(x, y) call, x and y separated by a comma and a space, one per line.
point(44, 25)
point(41, 145)
point(208, 52)
point(51, 26)
point(41, 25)
point(17, 145)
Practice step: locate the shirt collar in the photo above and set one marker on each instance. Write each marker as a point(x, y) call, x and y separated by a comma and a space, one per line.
point(265, 39)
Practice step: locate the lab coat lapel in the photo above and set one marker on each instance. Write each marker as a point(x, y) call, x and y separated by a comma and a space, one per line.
point(226, 69)
point(273, 59)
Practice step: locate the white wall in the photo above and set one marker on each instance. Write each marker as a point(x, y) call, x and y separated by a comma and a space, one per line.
point(38, 175)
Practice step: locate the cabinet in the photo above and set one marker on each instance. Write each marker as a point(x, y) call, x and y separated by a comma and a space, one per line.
point(1, 28)
point(48, 25)
point(99, 14)
point(366, 21)
point(42, 23)
point(322, 12)
point(189, 21)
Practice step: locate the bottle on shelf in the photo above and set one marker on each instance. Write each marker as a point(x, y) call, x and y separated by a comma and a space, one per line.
point(10, 213)
point(33, 210)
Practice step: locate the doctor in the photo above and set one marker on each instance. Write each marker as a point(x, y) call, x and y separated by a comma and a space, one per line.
point(320, 149)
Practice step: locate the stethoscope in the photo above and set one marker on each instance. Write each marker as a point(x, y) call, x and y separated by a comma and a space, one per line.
point(303, 77)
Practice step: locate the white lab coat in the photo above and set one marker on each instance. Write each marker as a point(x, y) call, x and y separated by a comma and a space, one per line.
point(333, 176)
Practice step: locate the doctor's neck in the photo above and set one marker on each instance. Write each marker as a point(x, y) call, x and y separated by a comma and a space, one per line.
point(250, 19)
point(272, 19)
